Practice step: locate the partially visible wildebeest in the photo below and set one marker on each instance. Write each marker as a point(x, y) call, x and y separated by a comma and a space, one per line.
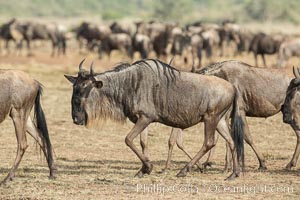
point(17, 98)
point(151, 91)
point(180, 44)
point(288, 49)
point(116, 41)
point(117, 27)
point(92, 33)
point(228, 32)
point(262, 93)
point(53, 32)
point(263, 44)
point(142, 44)
point(290, 111)
point(12, 31)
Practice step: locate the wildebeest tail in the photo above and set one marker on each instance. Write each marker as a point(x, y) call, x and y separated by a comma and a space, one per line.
point(237, 131)
point(42, 124)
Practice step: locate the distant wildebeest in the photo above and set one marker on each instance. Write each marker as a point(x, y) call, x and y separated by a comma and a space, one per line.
point(53, 32)
point(91, 33)
point(117, 27)
point(263, 44)
point(18, 94)
point(288, 49)
point(151, 91)
point(180, 44)
point(116, 41)
point(141, 43)
point(262, 94)
point(12, 31)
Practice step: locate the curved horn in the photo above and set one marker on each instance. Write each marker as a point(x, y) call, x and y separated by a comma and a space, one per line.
point(296, 72)
point(171, 60)
point(80, 65)
point(92, 69)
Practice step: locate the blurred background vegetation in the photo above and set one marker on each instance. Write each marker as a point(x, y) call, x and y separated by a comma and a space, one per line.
point(182, 11)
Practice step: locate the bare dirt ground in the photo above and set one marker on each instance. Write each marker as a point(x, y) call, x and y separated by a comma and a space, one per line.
point(96, 163)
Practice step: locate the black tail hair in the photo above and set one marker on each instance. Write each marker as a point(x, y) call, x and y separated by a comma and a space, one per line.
point(42, 125)
point(237, 131)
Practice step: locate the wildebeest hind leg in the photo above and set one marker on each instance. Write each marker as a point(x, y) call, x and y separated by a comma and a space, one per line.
point(19, 119)
point(223, 129)
point(140, 125)
point(34, 132)
point(209, 142)
point(249, 140)
point(293, 162)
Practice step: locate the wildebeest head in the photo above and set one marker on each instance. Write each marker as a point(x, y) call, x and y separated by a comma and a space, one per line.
point(291, 107)
point(82, 86)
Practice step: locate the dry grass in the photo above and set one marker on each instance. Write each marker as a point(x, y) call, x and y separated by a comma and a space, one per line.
point(96, 164)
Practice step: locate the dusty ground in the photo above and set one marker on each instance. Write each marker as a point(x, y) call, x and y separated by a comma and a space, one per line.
point(96, 164)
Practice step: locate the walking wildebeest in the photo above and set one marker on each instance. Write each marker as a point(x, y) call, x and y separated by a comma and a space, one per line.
point(288, 49)
point(16, 100)
point(55, 33)
point(91, 33)
point(262, 94)
point(290, 111)
point(263, 44)
point(151, 91)
point(116, 41)
point(12, 30)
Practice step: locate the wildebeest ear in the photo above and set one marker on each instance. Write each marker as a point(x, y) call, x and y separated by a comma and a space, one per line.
point(72, 79)
point(98, 84)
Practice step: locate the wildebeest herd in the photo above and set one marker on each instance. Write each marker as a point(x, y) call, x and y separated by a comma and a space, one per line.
point(220, 95)
point(164, 39)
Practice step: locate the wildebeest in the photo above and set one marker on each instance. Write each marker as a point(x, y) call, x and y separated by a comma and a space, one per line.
point(17, 97)
point(290, 111)
point(262, 93)
point(142, 44)
point(263, 44)
point(288, 49)
point(12, 31)
point(151, 91)
point(116, 41)
point(53, 32)
point(91, 33)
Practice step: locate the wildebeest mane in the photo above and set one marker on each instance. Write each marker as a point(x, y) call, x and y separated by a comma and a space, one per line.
point(216, 66)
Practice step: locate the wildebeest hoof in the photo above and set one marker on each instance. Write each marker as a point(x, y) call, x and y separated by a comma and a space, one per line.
point(140, 174)
point(146, 169)
point(182, 172)
point(232, 177)
point(289, 166)
point(207, 164)
point(262, 168)
point(164, 170)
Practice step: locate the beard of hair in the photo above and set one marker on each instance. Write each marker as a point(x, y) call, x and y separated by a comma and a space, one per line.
point(99, 109)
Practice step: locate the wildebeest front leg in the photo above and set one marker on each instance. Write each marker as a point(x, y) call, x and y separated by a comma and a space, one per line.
point(264, 60)
point(144, 143)
point(140, 125)
point(209, 142)
point(293, 162)
point(19, 123)
point(208, 162)
point(34, 132)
